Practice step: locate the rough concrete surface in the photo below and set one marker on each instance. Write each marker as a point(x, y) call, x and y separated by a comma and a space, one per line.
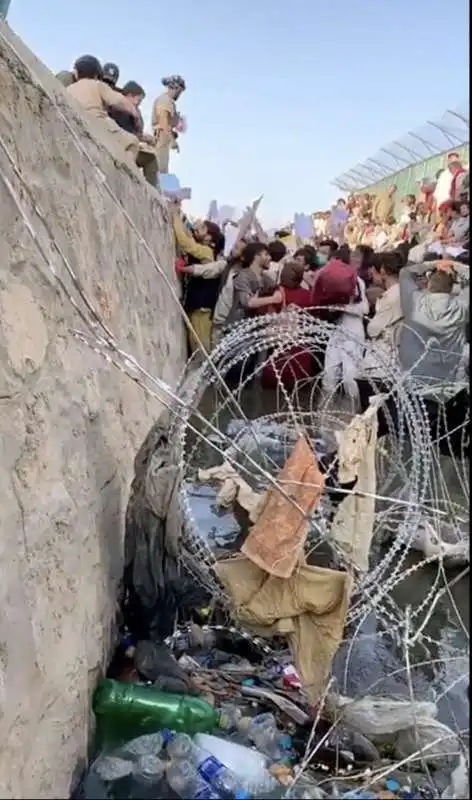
point(70, 423)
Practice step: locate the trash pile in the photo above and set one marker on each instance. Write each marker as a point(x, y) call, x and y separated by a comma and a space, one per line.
point(248, 708)
point(215, 713)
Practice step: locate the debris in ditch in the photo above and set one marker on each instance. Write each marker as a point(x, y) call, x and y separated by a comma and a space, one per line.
point(256, 696)
point(257, 739)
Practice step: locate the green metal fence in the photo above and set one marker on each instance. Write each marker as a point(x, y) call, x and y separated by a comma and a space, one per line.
point(407, 180)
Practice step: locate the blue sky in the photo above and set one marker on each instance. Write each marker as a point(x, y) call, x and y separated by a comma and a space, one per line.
point(282, 95)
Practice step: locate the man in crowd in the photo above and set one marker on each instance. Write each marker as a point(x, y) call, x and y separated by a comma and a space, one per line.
point(449, 182)
point(98, 98)
point(432, 338)
point(432, 344)
point(384, 205)
point(327, 249)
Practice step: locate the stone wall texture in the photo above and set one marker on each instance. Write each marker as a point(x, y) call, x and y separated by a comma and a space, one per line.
point(70, 422)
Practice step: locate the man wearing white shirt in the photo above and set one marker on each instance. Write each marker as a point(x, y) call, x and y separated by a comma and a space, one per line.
point(449, 181)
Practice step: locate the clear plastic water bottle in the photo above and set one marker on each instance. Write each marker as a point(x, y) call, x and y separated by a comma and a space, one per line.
point(262, 731)
point(220, 778)
point(148, 772)
point(186, 782)
point(111, 768)
point(230, 716)
point(150, 744)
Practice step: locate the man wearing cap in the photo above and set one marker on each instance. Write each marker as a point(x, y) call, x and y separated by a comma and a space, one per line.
point(164, 114)
point(97, 98)
point(110, 74)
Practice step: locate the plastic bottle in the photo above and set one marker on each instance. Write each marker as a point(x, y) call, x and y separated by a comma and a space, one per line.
point(249, 764)
point(186, 782)
point(150, 744)
point(147, 774)
point(239, 758)
point(229, 716)
point(111, 768)
point(126, 710)
point(109, 776)
point(262, 731)
point(226, 783)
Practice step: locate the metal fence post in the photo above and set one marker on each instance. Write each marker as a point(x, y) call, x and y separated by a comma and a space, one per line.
point(4, 6)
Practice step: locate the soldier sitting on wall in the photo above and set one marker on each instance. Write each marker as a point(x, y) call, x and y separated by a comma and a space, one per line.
point(97, 98)
point(110, 74)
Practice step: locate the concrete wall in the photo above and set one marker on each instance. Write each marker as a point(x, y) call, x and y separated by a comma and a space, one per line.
point(70, 423)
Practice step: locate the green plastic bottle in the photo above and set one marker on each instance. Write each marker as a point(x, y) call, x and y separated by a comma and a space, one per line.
point(126, 710)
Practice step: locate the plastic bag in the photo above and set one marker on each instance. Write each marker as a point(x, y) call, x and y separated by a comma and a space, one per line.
point(445, 543)
point(437, 742)
point(459, 788)
point(378, 716)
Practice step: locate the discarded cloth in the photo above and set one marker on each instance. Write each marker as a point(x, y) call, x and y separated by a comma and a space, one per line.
point(233, 489)
point(353, 524)
point(276, 541)
point(309, 608)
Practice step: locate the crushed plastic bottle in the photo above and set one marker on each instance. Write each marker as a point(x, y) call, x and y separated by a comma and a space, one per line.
point(230, 715)
point(185, 781)
point(111, 768)
point(262, 731)
point(306, 789)
point(117, 777)
point(150, 744)
point(147, 774)
point(217, 775)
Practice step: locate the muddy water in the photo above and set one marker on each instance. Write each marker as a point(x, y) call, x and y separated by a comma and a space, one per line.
point(439, 671)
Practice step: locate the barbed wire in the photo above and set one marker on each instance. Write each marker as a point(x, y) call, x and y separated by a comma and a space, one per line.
point(303, 412)
point(408, 461)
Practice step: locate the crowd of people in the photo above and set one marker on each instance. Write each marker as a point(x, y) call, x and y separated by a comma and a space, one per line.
point(409, 295)
point(377, 267)
point(95, 88)
point(434, 218)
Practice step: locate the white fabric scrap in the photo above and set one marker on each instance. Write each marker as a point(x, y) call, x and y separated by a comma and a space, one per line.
point(233, 489)
point(353, 524)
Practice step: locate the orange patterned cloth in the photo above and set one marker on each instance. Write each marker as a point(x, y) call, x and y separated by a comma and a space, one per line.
point(275, 543)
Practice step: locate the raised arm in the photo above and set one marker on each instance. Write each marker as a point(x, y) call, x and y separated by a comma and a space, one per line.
point(409, 289)
point(188, 245)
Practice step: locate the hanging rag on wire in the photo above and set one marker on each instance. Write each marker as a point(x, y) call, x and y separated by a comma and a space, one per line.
point(309, 608)
point(276, 541)
point(353, 524)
